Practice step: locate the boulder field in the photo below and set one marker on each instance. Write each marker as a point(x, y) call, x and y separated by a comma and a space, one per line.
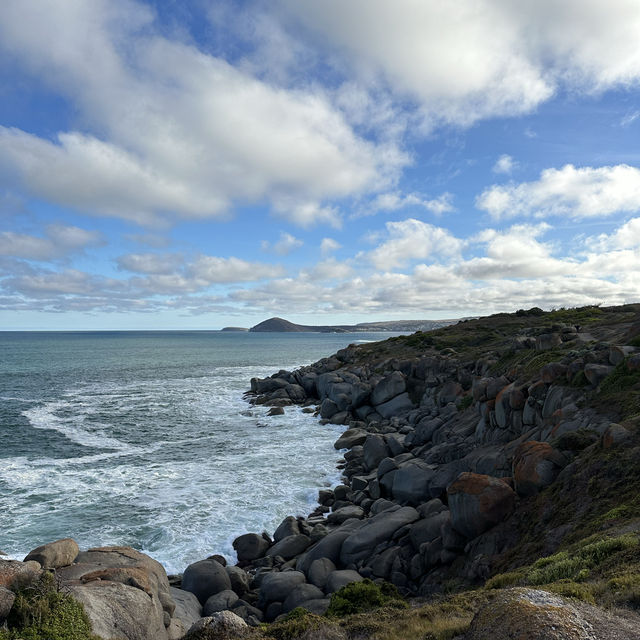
point(441, 448)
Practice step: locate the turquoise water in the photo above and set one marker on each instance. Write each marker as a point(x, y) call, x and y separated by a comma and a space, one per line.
point(144, 439)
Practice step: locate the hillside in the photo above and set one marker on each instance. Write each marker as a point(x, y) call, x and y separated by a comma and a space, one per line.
point(281, 325)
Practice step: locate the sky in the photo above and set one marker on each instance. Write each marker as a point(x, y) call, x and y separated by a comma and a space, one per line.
point(196, 164)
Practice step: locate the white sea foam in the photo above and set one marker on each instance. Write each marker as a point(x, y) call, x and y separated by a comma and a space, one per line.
point(182, 467)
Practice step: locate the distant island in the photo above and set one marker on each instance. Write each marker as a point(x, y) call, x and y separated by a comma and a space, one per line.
point(284, 326)
point(234, 329)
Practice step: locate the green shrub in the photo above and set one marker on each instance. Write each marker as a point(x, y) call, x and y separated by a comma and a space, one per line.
point(41, 612)
point(359, 597)
point(576, 566)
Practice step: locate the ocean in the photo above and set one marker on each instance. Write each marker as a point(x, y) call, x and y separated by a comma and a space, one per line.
point(144, 439)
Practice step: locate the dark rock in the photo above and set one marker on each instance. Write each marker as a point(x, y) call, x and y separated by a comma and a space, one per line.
point(396, 406)
point(328, 408)
point(222, 601)
point(411, 482)
point(240, 579)
point(350, 438)
point(290, 546)
point(338, 579)
point(329, 547)
point(299, 594)
point(345, 513)
point(374, 450)
point(275, 411)
point(205, 578)
point(250, 546)
point(427, 529)
point(388, 388)
point(319, 572)
point(288, 527)
point(275, 587)
point(370, 533)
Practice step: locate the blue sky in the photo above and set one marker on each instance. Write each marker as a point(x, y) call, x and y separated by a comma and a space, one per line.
point(169, 165)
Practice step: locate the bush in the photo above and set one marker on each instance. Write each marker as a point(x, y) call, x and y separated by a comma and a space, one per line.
point(41, 612)
point(359, 597)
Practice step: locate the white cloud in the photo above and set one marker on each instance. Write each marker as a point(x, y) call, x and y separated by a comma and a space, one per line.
point(330, 269)
point(150, 263)
point(306, 213)
point(466, 61)
point(212, 269)
point(625, 237)
point(410, 240)
point(284, 246)
point(571, 192)
point(504, 164)
point(59, 241)
point(182, 134)
point(393, 201)
point(329, 245)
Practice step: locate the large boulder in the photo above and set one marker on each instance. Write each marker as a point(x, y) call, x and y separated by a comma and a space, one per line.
point(222, 601)
point(288, 527)
point(478, 502)
point(338, 579)
point(224, 624)
point(299, 594)
point(125, 593)
point(350, 438)
point(540, 615)
point(535, 466)
point(120, 611)
point(13, 572)
point(290, 547)
point(188, 610)
point(276, 586)
point(319, 572)
point(389, 387)
point(250, 546)
point(374, 451)
point(239, 578)
point(370, 533)
point(205, 578)
point(53, 555)
point(411, 482)
point(329, 547)
point(398, 405)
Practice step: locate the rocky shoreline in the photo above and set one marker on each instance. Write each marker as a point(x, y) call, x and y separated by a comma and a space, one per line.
point(442, 449)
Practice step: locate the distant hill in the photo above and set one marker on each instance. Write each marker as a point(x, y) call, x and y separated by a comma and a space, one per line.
point(234, 329)
point(284, 326)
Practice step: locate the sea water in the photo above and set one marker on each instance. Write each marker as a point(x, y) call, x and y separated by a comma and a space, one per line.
point(145, 439)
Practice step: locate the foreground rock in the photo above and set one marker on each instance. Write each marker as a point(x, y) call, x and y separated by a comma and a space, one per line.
point(539, 615)
point(126, 595)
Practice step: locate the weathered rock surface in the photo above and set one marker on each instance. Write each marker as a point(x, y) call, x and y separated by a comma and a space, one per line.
point(535, 466)
point(531, 614)
point(53, 555)
point(478, 502)
point(224, 624)
point(250, 546)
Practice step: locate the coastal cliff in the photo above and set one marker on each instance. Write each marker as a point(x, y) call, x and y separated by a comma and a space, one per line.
point(490, 476)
